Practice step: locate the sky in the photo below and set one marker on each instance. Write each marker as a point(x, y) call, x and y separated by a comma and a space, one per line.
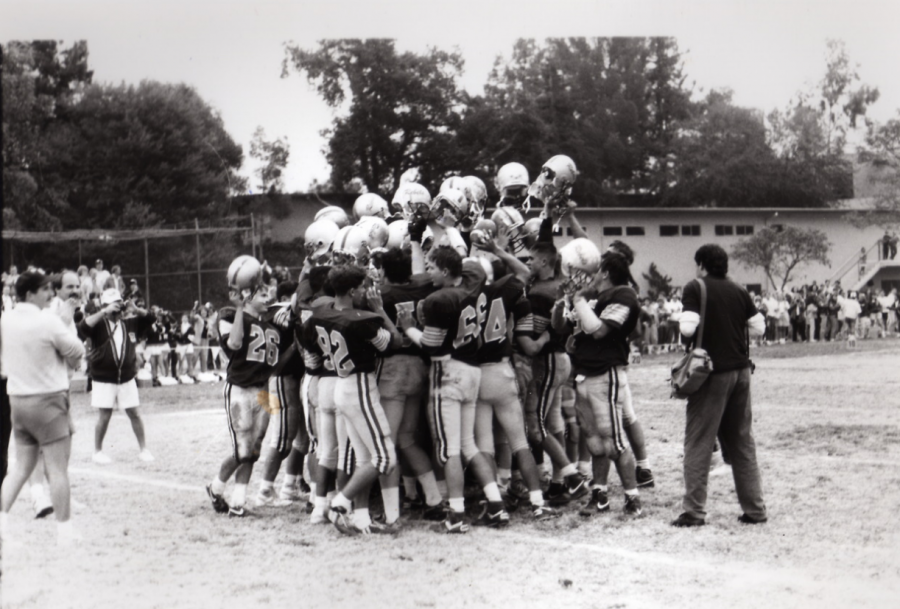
point(231, 51)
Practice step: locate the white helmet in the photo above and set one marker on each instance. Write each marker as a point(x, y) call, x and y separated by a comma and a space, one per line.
point(371, 204)
point(512, 219)
point(410, 199)
point(244, 273)
point(457, 182)
point(376, 231)
point(512, 182)
point(350, 246)
point(335, 214)
point(530, 232)
point(579, 261)
point(477, 199)
point(449, 207)
point(554, 184)
point(398, 234)
point(319, 236)
point(483, 233)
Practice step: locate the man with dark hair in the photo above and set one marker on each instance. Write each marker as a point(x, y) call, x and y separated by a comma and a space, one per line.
point(38, 351)
point(604, 315)
point(450, 337)
point(721, 406)
point(402, 381)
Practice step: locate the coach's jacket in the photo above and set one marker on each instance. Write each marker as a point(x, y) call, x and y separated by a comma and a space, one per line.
point(105, 365)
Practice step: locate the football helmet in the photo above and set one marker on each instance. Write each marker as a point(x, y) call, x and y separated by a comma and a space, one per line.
point(319, 236)
point(512, 182)
point(244, 272)
point(579, 262)
point(483, 233)
point(512, 219)
point(554, 184)
point(371, 204)
point(350, 247)
point(449, 207)
point(335, 214)
point(398, 234)
point(477, 199)
point(411, 199)
point(530, 232)
point(376, 230)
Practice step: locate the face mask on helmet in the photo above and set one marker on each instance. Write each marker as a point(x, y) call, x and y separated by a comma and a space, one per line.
point(579, 262)
point(319, 236)
point(554, 184)
point(449, 207)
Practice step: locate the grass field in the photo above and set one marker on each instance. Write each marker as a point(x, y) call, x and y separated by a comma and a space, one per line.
point(827, 425)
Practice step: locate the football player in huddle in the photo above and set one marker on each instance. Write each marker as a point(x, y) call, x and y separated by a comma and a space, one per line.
point(598, 320)
point(348, 340)
point(284, 403)
point(251, 344)
point(450, 337)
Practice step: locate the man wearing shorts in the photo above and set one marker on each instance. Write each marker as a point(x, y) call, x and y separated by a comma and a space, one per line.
point(114, 332)
point(38, 352)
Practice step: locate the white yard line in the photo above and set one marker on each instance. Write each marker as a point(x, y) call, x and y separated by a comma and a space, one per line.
point(188, 413)
point(95, 473)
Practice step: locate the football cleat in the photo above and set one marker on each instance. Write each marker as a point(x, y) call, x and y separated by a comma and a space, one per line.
point(238, 511)
point(494, 516)
point(633, 505)
point(453, 524)
point(218, 501)
point(269, 499)
point(540, 513)
point(599, 502)
point(577, 486)
point(435, 513)
point(290, 493)
point(412, 503)
point(319, 518)
point(382, 528)
point(644, 477)
point(518, 489)
point(343, 522)
point(556, 494)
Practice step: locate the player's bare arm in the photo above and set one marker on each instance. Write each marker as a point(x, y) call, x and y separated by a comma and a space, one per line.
point(376, 305)
point(236, 337)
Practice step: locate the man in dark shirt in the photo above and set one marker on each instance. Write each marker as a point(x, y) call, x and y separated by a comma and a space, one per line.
point(721, 407)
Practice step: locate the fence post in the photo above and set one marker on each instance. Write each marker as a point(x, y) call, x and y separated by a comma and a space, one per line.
point(199, 273)
point(79, 252)
point(252, 235)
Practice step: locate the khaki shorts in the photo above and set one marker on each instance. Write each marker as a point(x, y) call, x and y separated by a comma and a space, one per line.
point(453, 393)
point(111, 395)
point(38, 420)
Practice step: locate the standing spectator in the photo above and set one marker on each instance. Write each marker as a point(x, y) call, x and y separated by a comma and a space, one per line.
point(812, 308)
point(7, 298)
point(114, 339)
point(886, 245)
point(184, 350)
point(135, 295)
point(888, 310)
point(721, 407)
point(862, 261)
point(38, 353)
point(12, 278)
point(86, 283)
point(157, 349)
point(115, 280)
point(200, 319)
point(101, 277)
point(849, 311)
point(893, 244)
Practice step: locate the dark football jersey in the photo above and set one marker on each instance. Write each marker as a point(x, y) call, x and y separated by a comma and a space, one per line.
point(252, 364)
point(451, 318)
point(290, 360)
point(498, 303)
point(349, 341)
point(305, 340)
point(542, 295)
point(618, 308)
point(406, 298)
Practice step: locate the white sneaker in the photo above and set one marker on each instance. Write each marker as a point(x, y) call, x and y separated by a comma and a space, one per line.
point(290, 493)
point(146, 456)
point(319, 517)
point(101, 458)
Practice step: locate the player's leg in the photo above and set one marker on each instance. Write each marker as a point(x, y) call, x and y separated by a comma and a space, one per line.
point(634, 431)
point(298, 447)
point(445, 419)
point(327, 448)
point(390, 482)
point(27, 451)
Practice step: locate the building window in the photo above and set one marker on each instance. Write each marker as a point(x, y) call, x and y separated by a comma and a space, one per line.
point(744, 230)
point(634, 231)
point(612, 231)
point(668, 230)
point(724, 229)
point(690, 230)
point(754, 288)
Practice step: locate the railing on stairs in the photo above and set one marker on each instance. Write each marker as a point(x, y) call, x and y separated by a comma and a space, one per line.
point(853, 263)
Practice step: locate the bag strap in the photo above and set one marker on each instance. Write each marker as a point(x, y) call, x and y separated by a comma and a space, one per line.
point(698, 344)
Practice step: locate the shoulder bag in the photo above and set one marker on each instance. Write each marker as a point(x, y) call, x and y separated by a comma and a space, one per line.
point(691, 371)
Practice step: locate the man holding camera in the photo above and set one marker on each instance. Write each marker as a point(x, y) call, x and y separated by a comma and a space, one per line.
point(115, 331)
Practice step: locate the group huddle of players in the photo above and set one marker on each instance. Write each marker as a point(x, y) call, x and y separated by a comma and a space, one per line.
point(427, 343)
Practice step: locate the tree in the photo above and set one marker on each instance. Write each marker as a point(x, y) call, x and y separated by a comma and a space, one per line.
point(780, 252)
point(660, 284)
point(881, 154)
point(399, 110)
point(273, 156)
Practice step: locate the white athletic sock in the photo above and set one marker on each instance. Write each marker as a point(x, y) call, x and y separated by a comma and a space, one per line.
point(457, 504)
point(340, 501)
point(239, 495)
point(330, 495)
point(265, 485)
point(537, 498)
point(492, 492)
point(290, 481)
point(361, 518)
point(321, 504)
point(444, 490)
point(409, 487)
point(568, 470)
point(603, 488)
point(644, 463)
point(632, 493)
point(504, 475)
point(391, 498)
point(312, 489)
point(430, 488)
point(584, 468)
point(218, 487)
